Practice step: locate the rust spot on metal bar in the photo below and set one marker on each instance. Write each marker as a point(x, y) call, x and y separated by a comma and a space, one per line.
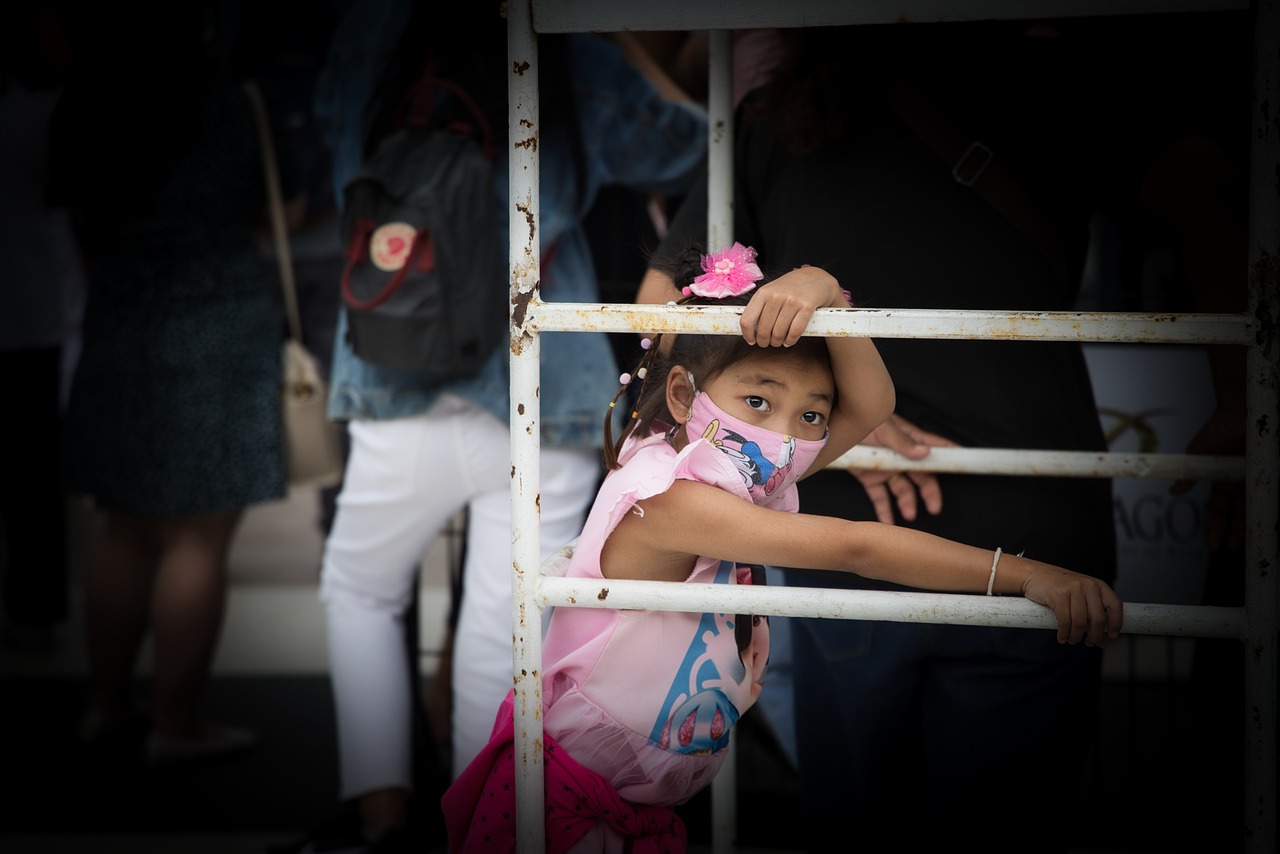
point(519, 68)
point(718, 131)
point(525, 123)
point(520, 408)
point(520, 308)
point(528, 217)
point(603, 594)
point(530, 142)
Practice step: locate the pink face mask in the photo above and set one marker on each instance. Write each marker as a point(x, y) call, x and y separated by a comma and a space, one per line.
point(769, 462)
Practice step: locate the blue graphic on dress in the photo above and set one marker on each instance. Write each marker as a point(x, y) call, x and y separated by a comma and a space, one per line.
point(697, 706)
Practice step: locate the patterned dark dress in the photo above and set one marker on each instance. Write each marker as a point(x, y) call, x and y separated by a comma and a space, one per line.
point(174, 408)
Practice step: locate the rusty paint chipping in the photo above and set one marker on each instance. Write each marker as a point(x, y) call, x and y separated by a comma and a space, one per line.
point(520, 309)
point(519, 68)
point(520, 408)
point(603, 594)
point(525, 123)
point(529, 142)
point(528, 217)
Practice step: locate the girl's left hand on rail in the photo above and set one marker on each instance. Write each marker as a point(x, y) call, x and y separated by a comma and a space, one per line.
point(1086, 607)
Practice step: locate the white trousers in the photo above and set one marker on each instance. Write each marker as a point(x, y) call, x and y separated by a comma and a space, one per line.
point(406, 478)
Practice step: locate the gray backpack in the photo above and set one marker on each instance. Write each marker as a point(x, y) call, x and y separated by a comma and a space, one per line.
point(425, 281)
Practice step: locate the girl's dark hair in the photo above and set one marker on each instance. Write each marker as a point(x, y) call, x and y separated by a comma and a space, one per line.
point(703, 355)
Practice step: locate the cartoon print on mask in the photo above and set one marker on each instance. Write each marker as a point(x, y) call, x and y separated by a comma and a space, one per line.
point(721, 674)
point(756, 469)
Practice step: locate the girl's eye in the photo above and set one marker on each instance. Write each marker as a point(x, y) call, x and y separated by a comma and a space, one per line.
point(757, 403)
point(812, 417)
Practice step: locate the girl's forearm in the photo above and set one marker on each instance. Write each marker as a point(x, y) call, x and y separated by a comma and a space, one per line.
point(928, 562)
point(865, 395)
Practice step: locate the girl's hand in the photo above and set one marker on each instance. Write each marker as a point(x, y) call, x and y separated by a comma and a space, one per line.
point(1087, 608)
point(778, 312)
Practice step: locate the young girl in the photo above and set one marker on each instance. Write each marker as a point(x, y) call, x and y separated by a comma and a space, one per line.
point(638, 705)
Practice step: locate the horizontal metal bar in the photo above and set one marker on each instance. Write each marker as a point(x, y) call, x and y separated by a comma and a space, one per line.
point(561, 16)
point(892, 606)
point(1048, 463)
point(1113, 327)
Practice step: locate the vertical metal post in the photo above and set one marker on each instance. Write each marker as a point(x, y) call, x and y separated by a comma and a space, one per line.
point(724, 794)
point(720, 141)
point(1262, 588)
point(524, 261)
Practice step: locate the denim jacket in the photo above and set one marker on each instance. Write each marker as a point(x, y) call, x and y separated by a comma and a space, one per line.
point(630, 135)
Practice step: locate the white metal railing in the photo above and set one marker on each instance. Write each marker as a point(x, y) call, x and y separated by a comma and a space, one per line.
point(1255, 624)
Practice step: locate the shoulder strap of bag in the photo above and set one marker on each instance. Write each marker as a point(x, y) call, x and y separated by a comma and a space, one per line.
point(275, 204)
point(420, 101)
point(974, 165)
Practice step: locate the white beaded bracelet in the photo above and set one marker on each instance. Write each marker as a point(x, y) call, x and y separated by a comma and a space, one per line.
point(991, 582)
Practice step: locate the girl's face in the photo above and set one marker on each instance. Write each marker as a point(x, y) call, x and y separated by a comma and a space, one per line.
point(776, 390)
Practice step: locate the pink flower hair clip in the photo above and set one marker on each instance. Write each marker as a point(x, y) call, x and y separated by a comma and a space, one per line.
point(726, 273)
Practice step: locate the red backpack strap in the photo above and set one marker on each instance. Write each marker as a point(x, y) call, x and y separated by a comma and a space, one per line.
point(420, 102)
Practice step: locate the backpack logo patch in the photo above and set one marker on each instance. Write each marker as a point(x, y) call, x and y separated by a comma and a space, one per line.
point(390, 245)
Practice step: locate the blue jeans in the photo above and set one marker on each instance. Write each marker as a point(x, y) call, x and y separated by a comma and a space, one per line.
point(927, 737)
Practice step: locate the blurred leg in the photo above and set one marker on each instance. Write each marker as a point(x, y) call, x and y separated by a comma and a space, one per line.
point(1001, 705)
point(857, 688)
point(118, 581)
point(405, 479)
point(482, 665)
point(187, 607)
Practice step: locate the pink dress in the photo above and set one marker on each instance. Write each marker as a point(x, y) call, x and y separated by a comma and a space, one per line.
point(646, 699)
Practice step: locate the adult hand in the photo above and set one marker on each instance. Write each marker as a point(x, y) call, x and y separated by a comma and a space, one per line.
point(1221, 435)
point(906, 488)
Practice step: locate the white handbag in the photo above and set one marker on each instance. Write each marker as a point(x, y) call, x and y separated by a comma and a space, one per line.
point(313, 451)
